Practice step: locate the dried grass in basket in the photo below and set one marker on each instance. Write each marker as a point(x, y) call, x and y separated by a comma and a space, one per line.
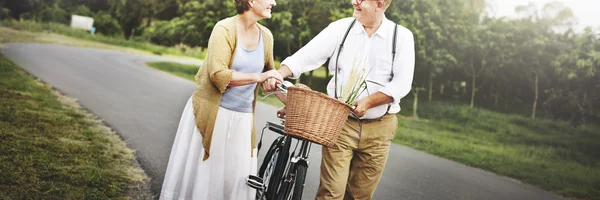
point(314, 116)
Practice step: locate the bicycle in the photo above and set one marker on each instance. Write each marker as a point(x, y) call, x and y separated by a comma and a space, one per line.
point(282, 174)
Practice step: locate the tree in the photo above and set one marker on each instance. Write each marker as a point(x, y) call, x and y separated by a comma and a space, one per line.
point(296, 22)
point(106, 24)
point(432, 43)
point(53, 14)
point(482, 51)
point(434, 24)
point(4, 13)
point(135, 15)
point(540, 26)
point(578, 74)
point(27, 9)
point(81, 10)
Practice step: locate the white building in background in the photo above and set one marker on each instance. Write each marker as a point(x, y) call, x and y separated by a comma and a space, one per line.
point(82, 22)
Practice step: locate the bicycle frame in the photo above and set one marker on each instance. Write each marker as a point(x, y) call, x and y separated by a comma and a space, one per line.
point(291, 177)
point(277, 178)
point(284, 180)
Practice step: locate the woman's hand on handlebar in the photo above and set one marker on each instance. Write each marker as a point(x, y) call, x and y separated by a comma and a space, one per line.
point(270, 85)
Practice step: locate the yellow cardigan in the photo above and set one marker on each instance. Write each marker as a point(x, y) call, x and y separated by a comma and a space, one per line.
point(214, 76)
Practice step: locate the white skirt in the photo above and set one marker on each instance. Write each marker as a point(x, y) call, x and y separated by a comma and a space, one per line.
point(223, 174)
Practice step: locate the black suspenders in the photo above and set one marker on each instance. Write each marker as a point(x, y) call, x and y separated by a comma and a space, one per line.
point(394, 50)
point(342, 46)
point(338, 57)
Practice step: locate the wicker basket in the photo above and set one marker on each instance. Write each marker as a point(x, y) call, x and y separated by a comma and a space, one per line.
point(314, 116)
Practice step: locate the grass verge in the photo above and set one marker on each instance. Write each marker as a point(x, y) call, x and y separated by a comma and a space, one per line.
point(182, 70)
point(50, 148)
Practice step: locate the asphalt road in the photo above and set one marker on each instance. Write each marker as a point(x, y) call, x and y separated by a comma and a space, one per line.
point(144, 106)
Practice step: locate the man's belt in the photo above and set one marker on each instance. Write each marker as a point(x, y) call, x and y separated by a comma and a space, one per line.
point(368, 120)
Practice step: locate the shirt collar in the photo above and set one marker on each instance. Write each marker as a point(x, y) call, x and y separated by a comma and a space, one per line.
point(381, 32)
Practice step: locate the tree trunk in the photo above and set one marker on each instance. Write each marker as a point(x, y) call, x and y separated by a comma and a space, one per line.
point(473, 88)
point(430, 88)
point(441, 89)
point(149, 22)
point(33, 15)
point(415, 103)
point(132, 33)
point(536, 88)
point(584, 102)
point(505, 99)
point(496, 98)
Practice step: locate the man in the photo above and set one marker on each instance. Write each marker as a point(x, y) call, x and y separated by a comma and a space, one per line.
point(352, 168)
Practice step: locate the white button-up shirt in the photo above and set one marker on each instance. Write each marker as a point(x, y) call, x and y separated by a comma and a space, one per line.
point(395, 81)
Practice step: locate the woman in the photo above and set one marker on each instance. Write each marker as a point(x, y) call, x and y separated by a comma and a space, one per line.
point(215, 148)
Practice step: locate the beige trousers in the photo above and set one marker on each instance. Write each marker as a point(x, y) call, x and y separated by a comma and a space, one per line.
point(352, 168)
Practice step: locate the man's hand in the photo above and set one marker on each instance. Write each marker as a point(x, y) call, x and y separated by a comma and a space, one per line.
point(270, 75)
point(373, 100)
point(361, 107)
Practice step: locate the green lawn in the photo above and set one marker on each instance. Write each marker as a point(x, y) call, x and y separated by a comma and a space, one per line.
point(548, 154)
point(551, 155)
point(50, 148)
point(182, 70)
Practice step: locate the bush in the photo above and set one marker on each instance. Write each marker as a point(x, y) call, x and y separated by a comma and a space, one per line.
point(163, 33)
point(173, 32)
point(27, 16)
point(4, 13)
point(106, 24)
point(82, 10)
point(185, 49)
point(54, 14)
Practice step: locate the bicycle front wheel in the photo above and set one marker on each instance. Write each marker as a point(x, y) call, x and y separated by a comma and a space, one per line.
point(299, 182)
point(269, 170)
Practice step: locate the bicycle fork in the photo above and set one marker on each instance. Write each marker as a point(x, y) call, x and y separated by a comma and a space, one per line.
point(295, 174)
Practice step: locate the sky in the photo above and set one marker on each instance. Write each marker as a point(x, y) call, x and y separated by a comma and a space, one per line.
point(587, 12)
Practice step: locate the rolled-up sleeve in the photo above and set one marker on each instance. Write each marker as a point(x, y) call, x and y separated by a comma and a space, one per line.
point(218, 58)
point(314, 54)
point(404, 66)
